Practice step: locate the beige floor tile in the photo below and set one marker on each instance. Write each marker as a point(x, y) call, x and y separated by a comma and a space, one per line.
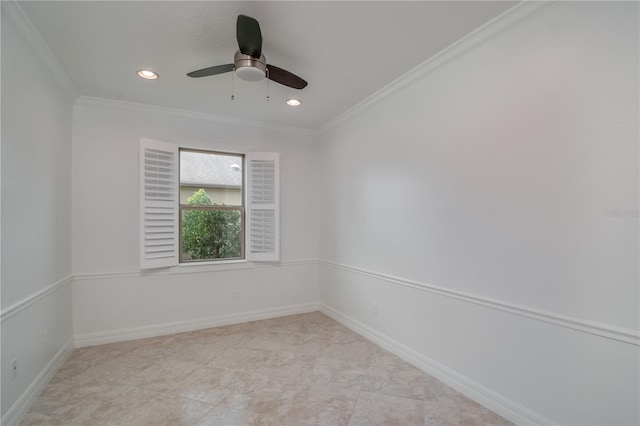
point(257, 409)
point(344, 335)
point(199, 353)
point(297, 370)
point(94, 354)
point(208, 384)
point(241, 359)
point(164, 410)
point(326, 404)
point(91, 409)
point(378, 409)
point(265, 382)
point(460, 410)
point(104, 408)
point(305, 324)
point(436, 389)
point(288, 342)
point(390, 375)
point(161, 375)
point(212, 338)
point(344, 372)
point(36, 419)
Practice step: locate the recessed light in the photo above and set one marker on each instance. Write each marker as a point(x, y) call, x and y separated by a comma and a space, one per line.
point(294, 102)
point(148, 74)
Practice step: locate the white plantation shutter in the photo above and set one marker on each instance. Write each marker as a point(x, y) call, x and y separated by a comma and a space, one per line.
point(263, 206)
point(158, 204)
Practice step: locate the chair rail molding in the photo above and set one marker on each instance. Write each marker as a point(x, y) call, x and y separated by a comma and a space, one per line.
point(607, 331)
point(11, 310)
point(195, 268)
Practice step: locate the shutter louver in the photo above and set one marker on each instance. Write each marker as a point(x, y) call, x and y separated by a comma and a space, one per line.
point(158, 204)
point(263, 206)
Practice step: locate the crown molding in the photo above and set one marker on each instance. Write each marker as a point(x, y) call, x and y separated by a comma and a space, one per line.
point(23, 26)
point(492, 30)
point(193, 115)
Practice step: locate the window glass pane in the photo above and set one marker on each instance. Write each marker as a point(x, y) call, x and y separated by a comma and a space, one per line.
point(220, 175)
point(211, 199)
point(211, 234)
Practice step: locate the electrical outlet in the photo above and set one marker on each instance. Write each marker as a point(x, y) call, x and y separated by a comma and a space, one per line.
point(236, 295)
point(374, 309)
point(44, 338)
point(14, 368)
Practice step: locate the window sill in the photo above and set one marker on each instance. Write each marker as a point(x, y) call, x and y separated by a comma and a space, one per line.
point(211, 266)
point(212, 262)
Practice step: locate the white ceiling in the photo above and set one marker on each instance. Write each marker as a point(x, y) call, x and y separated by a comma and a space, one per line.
point(345, 50)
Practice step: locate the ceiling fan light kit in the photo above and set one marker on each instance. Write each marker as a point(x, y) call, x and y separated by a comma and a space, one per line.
point(248, 68)
point(249, 63)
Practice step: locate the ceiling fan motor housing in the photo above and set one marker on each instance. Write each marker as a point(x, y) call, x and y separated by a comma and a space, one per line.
point(249, 68)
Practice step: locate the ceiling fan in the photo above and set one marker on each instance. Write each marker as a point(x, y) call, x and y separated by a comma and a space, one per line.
point(249, 63)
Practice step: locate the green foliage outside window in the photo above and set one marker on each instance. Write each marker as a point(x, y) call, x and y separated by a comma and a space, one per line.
point(210, 234)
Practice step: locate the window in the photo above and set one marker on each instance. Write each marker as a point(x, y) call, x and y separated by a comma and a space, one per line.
point(207, 206)
point(212, 224)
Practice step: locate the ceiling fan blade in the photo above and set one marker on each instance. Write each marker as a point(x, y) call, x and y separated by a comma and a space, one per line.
point(249, 36)
point(285, 77)
point(205, 72)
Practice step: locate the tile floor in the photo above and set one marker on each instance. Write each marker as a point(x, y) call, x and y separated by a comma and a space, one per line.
point(296, 370)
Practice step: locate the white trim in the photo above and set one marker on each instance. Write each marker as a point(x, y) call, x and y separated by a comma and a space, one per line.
point(608, 331)
point(291, 262)
point(99, 338)
point(181, 113)
point(25, 28)
point(30, 300)
point(502, 405)
point(194, 269)
point(159, 197)
point(262, 206)
point(211, 262)
point(19, 408)
point(486, 33)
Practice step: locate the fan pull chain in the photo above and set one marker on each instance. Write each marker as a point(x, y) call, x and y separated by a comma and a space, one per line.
point(232, 73)
point(268, 97)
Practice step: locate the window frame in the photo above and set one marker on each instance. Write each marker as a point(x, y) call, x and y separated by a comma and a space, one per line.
point(241, 208)
point(261, 218)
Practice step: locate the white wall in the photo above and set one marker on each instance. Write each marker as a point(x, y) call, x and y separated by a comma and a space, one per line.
point(471, 206)
point(112, 299)
point(36, 228)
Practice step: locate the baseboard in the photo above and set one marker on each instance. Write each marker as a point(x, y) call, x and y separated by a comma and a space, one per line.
point(26, 400)
point(92, 339)
point(488, 398)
